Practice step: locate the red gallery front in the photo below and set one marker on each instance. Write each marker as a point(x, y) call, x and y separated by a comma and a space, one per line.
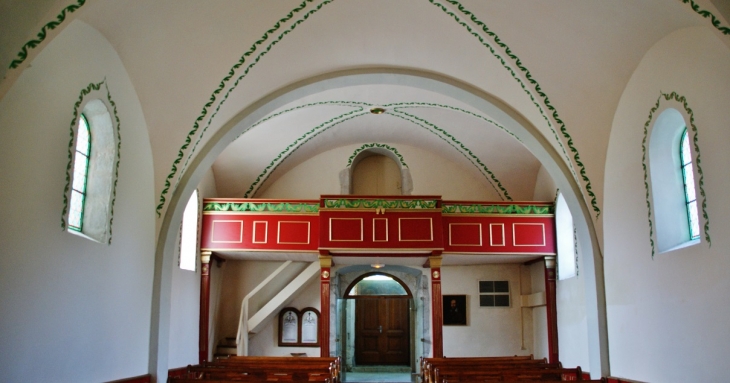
point(383, 227)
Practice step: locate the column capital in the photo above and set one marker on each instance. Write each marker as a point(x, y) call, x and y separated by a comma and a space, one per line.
point(550, 261)
point(434, 262)
point(205, 256)
point(325, 261)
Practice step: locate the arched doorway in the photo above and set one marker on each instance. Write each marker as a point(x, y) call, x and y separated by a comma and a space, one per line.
point(405, 284)
point(382, 323)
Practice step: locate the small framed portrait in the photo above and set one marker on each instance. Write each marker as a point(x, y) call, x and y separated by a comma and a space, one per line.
point(455, 313)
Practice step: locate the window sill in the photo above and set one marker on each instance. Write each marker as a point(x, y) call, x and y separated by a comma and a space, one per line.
point(682, 245)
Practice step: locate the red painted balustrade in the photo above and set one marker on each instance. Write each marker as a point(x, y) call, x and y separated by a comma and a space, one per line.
point(398, 225)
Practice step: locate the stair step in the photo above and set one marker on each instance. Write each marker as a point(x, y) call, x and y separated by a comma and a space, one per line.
point(226, 350)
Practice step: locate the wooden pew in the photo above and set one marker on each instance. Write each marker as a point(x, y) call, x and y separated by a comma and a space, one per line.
point(488, 374)
point(428, 365)
point(272, 369)
point(243, 380)
point(286, 362)
point(268, 372)
point(602, 380)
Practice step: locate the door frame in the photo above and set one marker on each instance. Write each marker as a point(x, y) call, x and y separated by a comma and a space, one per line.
point(415, 282)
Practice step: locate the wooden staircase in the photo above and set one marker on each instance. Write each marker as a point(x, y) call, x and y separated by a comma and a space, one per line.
point(226, 347)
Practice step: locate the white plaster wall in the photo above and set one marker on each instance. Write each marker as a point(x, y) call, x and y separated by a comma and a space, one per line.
point(666, 316)
point(72, 310)
point(432, 175)
point(572, 321)
point(185, 301)
point(489, 331)
point(544, 186)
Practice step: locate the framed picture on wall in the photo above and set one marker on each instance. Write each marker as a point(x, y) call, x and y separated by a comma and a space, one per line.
point(310, 326)
point(299, 328)
point(289, 327)
point(455, 313)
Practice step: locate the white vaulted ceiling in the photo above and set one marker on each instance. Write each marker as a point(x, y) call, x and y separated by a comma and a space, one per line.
point(197, 64)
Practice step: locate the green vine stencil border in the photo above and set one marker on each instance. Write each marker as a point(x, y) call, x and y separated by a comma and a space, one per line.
point(377, 145)
point(457, 208)
point(705, 14)
point(366, 203)
point(439, 132)
point(303, 139)
point(403, 105)
point(69, 167)
point(355, 104)
point(461, 8)
point(701, 181)
point(537, 88)
point(222, 85)
point(263, 207)
point(41, 36)
point(459, 146)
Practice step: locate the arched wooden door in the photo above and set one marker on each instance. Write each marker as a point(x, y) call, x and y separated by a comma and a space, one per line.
point(382, 330)
point(382, 320)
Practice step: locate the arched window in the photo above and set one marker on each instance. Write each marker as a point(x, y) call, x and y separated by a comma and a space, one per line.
point(689, 186)
point(376, 169)
point(92, 172)
point(81, 173)
point(565, 238)
point(189, 234)
point(376, 175)
point(378, 284)
point(674, 204)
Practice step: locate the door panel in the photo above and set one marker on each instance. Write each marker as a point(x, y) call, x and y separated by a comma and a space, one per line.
point(382, 331)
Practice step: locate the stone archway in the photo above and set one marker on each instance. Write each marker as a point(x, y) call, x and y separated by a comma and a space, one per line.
point(341, 312)
point(511, 119)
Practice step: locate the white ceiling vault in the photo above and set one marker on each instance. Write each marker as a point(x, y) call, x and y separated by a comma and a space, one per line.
point(196, 65)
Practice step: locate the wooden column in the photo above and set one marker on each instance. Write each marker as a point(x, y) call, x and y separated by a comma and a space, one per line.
point(552, 312)
point(437, 309)
point(204, 306)
point(325, 263)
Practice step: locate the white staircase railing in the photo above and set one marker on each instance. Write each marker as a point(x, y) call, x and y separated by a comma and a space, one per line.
point(256, 322)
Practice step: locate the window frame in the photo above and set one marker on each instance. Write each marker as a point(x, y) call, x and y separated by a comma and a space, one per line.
point(494, 293)
point(87, 155)
point(196, 246)
point(99, 110)
point(666, 182)
point(689, 185)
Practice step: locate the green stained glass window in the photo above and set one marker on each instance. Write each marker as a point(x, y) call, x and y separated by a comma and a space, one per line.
point(80, 174)
point(689, 186)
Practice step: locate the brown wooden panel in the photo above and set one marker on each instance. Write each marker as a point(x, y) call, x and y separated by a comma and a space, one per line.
point(397, 332)
point(382, 331)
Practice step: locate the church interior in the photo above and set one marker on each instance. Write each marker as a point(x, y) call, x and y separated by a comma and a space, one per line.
point(183, 180)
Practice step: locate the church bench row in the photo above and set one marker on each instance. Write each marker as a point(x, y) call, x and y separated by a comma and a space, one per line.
point(429, 365)
point(514, 374)
point(602, 380)
point(495, 369)
point(215, 380)
point(254, 369)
